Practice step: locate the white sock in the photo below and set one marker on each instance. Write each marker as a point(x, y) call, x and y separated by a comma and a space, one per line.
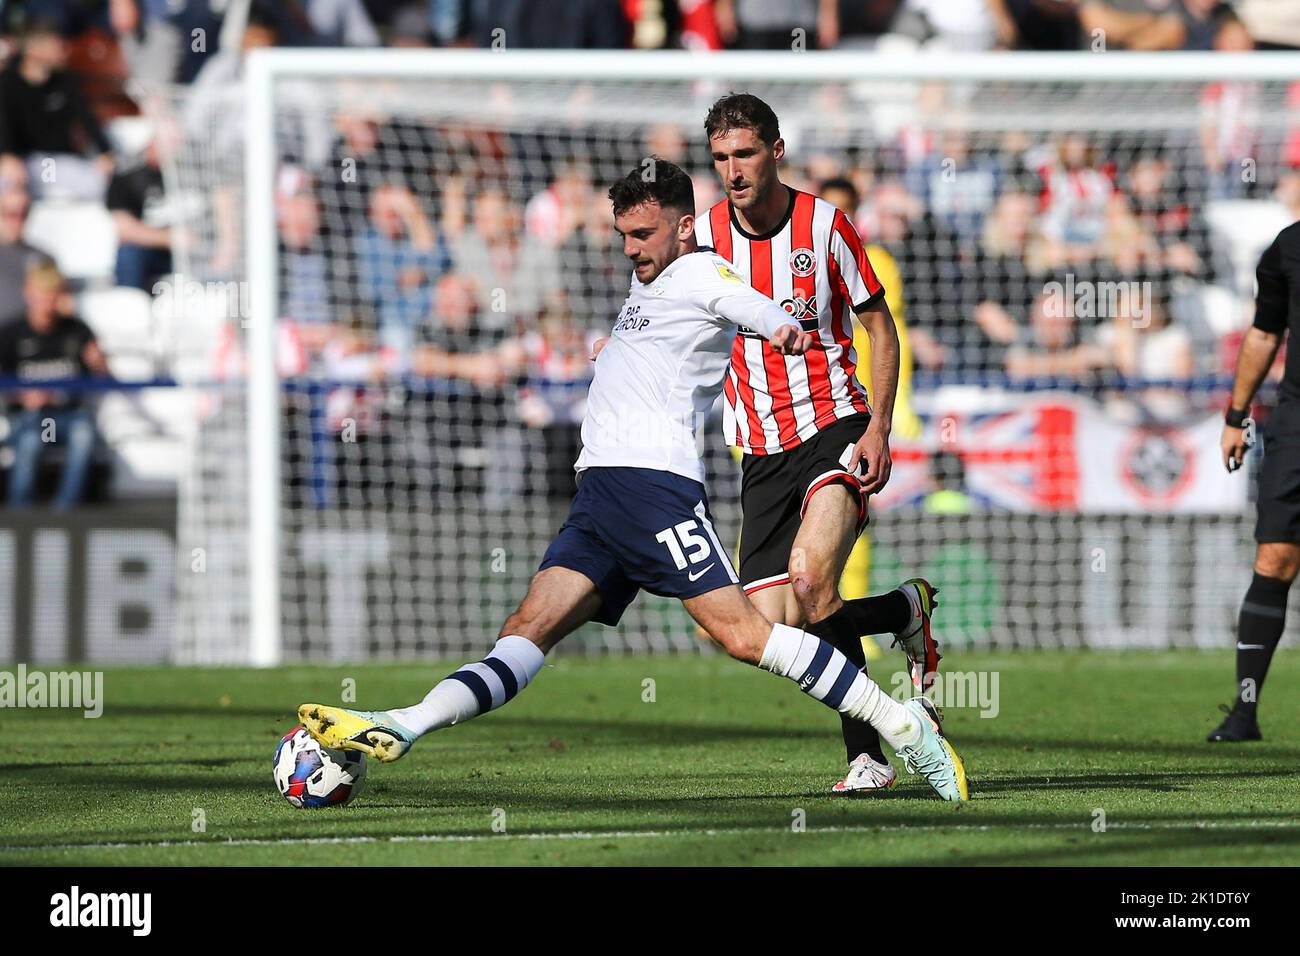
point(475, 688)
point(826, 674)
point(896, 724)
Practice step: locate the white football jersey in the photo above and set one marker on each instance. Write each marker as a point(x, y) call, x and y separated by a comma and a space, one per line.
point(659, 374)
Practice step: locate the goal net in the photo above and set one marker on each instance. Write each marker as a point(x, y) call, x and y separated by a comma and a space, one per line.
point(397, 264)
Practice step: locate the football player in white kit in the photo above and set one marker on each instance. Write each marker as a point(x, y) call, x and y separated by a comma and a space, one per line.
point(640, 519)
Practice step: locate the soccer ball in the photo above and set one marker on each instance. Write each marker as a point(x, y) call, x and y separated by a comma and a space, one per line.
point(309, 775)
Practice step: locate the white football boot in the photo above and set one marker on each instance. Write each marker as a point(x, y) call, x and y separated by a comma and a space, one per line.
point(866, 775)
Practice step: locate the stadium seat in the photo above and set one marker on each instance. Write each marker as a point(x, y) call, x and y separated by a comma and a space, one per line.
point(1245, 227)
point(144, 430)
point(122, 320)
point(79, 235)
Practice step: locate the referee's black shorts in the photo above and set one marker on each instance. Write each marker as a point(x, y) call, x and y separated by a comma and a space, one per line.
point(1278, 518)
point(775, 491)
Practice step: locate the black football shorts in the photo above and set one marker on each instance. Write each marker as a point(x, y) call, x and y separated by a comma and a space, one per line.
point(775, 491)
point(1278, 504)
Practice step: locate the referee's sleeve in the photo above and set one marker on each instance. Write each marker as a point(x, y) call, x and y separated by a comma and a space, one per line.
point(1272, 294)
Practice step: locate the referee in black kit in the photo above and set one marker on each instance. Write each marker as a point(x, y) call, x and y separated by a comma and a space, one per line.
point(1277, 527)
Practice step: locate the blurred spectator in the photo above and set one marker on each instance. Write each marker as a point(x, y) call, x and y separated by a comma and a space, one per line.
point(1076, 191)
point(45, 346)
point(46, 121)
point(948, 24)
point(456, 344)
point(174, 39)
point(1051, 345)
point(1229, 136)
point(408, 27)
point(1008, 275)
point(1287, 193)
point(778, 24)
point(598, 270)
point(548, 24)
point(371, 149)
point(928, 257)
point(668, 141)
point(512, 277)
point(957, 186)
point(1134, 24)
point(305, 280)
point(553, 398)
point(149, 42)
point(327, 23)
point(948, 493)
point(1145, 344)
point(1273, 24)
point(843, 195)
point(16, 255)
point(1206, 20)
point(1128, 251)
point(1036, 24)
point(553, 214)
point(698, 25)
point(142, 219)
point(862, 22)
point(1165, 213)
point(400, 256)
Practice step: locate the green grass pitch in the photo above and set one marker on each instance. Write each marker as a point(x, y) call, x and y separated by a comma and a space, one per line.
point(721, 768)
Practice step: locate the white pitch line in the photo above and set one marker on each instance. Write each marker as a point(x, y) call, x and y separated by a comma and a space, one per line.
point(646, 834)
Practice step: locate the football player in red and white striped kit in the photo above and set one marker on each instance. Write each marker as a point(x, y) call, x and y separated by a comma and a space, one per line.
point(813, 449)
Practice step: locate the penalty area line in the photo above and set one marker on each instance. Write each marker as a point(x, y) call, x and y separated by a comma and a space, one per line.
point(650, 834)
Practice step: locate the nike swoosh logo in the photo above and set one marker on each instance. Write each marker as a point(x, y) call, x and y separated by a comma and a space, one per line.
point(699, 574)
point(1249, 647)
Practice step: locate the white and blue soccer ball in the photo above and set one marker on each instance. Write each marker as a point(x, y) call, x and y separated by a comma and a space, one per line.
point(310, 776)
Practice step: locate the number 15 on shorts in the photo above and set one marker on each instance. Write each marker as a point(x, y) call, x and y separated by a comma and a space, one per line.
point(685, 546)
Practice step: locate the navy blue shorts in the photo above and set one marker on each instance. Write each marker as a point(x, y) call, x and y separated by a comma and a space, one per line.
point(635, 528)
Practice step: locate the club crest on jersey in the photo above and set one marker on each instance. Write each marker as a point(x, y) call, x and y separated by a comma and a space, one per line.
point(799, 307)
point(803, 262)
point(729, 274)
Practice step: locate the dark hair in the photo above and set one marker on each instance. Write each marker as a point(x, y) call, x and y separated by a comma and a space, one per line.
point(742, 111)
point(42, 26)
point(655, 180)
point(842, 183)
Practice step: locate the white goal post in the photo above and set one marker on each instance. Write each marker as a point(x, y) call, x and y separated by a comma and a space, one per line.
point(1135, 79)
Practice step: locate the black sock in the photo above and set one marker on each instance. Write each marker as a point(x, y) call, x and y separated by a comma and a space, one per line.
point(837, 630)
point(882, 614)
point(1259, 628)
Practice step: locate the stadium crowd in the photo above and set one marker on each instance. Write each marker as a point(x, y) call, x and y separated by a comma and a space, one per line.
point(471, 256)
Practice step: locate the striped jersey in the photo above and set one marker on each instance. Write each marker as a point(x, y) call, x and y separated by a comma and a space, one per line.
point(812, 264)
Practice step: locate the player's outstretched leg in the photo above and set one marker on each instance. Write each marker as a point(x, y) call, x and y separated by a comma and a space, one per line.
point(559, 600)
point(825, 674)
point(471, 690)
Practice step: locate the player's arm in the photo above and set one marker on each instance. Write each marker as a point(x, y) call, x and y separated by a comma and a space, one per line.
point(873, 447)
point(1137, 31)
point(860, 286)
point(1258, 349)
point(733, 300)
